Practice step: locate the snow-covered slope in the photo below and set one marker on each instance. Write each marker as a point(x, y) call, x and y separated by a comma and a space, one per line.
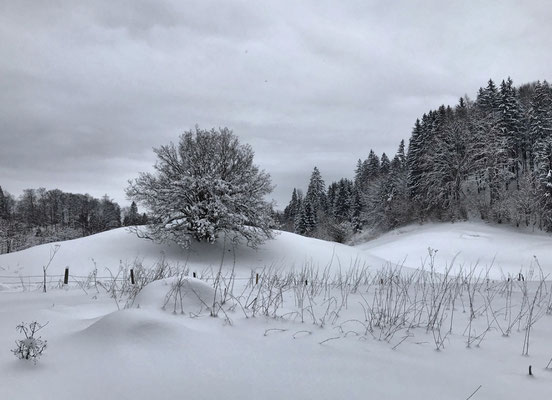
point(109, 249)
point(468, 244)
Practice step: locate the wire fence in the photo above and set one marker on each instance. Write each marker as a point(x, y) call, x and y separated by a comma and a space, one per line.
point(52, 279)
point(18, 280)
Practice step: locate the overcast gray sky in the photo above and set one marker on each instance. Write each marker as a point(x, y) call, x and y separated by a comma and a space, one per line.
point(87, 89)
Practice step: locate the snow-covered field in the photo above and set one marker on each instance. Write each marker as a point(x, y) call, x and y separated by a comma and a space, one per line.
point(372, 333)
point(501, 249)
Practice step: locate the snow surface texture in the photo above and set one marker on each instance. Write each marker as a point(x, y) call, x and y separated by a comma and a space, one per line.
point(465, 244)
point(96, 351)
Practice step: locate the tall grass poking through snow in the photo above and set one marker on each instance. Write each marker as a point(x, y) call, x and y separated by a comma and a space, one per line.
point(391, 304)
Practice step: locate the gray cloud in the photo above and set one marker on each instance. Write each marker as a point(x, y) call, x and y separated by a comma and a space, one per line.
point(88, 88)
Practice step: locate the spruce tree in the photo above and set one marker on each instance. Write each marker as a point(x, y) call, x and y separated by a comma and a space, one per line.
point(305, 222)
point(359, 173)
point(309, 218)
point(133, 214)
point(510, 127)
point(414, 158)
point(488, 98)
point(3, 205)
point(291, 210)
point(330, 197)
point(300, 226)
point(540, 126)
point(385, 164)
point(342, 200)
point(373, 166)
point(356, 211)
point(316, 192)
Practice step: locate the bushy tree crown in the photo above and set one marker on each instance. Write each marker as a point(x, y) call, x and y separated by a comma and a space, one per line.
point(204, 186)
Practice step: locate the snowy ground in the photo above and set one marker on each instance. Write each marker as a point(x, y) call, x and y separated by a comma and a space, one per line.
point(108, 250)
point(96, 351)
point(503, 249)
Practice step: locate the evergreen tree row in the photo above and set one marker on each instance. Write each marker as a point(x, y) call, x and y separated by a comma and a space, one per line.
point(488, 159)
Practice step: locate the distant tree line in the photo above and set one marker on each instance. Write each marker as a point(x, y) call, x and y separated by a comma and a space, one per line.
point(42, 216)
point(488, 159)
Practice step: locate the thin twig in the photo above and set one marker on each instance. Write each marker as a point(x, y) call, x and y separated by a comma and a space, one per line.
point(471, 395)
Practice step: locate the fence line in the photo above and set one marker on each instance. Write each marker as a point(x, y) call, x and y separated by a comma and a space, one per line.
point(39, 279)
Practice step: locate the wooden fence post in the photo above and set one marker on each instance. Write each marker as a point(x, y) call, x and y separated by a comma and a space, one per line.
point(257, 279)
point(132, 276)
point(66, 276)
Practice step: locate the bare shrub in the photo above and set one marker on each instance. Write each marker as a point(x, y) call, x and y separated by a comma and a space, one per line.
point(31, 347)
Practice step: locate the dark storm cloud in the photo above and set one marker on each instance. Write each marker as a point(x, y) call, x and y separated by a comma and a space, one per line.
point(88, 88)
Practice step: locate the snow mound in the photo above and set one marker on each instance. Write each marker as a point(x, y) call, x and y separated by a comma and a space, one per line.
point(127, 326)
point(181, 294)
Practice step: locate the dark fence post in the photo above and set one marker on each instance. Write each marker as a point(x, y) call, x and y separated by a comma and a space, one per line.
point(66, 276)
point(257, 279)
point(132, 276)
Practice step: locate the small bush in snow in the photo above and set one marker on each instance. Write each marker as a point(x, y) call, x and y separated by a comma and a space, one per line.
point(31, 347)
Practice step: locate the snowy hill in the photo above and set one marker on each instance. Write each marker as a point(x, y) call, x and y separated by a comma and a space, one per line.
point(109, 249)
point(468, 244)
point(503, 249)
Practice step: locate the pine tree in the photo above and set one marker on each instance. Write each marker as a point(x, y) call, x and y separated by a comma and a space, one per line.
point(3, 205)
point(300, 226)
point(447, 167)
point(309, 216)
point(359, 173)
point(133, 213)
point(356, 211)
point(415, 157)
point(540, 126)
point(400, 158)
point(306, 219)
point(331, 195)
point(385, 164)
point(291, 209)
point(488, 98)
point(510, 127)
point(372, 166)
point(132, 217)
point(342, 200)
point(298, 222)
point(316, 192)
